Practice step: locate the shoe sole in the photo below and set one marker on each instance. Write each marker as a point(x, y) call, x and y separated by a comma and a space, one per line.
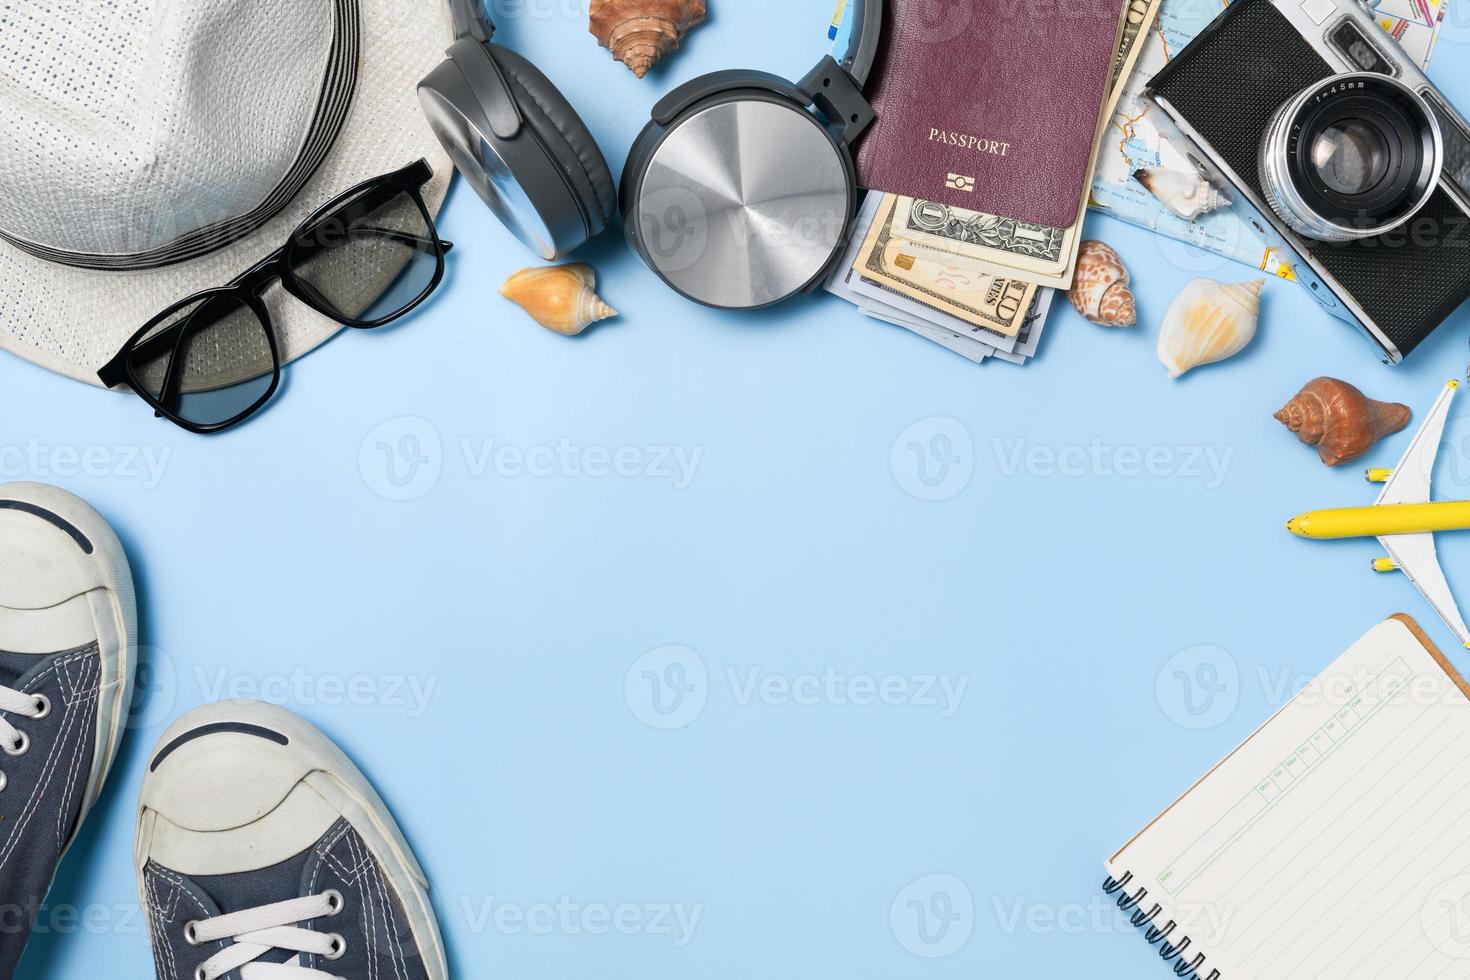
point(329, 771)
point(117, 582)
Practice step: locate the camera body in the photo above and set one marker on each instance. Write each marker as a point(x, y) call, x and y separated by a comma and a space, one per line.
point(1301, 104)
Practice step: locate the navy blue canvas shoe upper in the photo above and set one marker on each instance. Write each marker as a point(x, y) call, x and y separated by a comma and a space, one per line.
point(364, 927)
point(45, 761)
point(264, 854)
point(67, 649)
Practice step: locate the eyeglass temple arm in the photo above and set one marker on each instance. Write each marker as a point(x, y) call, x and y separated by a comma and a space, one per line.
point(112, 373)
point(347, 215)
point(309, 249)
point(169, 336)
point(321, 300)
point(173, 377)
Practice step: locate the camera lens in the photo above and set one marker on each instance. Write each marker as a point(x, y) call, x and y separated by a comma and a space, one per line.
point(1352, 157)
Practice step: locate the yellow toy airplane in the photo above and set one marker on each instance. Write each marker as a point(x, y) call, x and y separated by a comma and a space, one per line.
point(1404, 519)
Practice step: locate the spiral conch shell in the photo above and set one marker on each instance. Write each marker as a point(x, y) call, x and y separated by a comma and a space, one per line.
point(1341, 421)
point(1209, 322)
point(1186, 194)
point(640, 32)
point(562, 298)
point(1100, 292)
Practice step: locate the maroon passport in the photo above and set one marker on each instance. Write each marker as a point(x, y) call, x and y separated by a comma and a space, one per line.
point(990, 105)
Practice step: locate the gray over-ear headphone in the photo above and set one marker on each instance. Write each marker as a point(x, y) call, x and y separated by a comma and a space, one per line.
point(517, 140)
point(741, 191)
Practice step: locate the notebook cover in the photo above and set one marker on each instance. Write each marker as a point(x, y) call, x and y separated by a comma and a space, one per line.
point(1403, 618)
point(1168, 920)
point(990, 105)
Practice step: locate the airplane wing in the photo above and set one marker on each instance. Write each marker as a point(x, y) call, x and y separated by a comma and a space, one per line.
point(1410, 484)
point(1410, 481)
point(1416, 558)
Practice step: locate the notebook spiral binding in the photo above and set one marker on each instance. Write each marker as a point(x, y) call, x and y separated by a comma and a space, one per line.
point(1175, 954)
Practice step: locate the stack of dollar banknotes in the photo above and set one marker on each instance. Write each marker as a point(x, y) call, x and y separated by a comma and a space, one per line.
point(980, 285)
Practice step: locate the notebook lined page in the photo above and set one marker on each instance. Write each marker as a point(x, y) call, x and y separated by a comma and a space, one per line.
point(1335, 843)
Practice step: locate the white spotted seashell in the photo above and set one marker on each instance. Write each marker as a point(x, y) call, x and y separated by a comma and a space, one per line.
point(1209, 322)
point(1186, 194)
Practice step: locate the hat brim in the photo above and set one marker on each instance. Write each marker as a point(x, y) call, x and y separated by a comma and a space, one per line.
point(72, 321)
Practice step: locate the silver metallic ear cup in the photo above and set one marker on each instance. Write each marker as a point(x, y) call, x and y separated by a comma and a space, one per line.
point(518, 142)
point(470, 109)
point(742, 202)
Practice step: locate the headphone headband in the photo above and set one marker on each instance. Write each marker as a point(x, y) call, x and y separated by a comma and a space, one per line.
point(471, 19)
point(862, 46)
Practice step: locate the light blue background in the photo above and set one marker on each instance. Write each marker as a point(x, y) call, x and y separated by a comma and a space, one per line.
point(269, 562)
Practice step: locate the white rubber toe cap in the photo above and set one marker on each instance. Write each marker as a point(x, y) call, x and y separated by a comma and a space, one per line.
point(65, 583)
point(241, 785)
point(56, 547)
point(219, 769)
point(246, 769)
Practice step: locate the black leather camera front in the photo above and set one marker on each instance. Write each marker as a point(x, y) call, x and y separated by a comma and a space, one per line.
point(1229, 83)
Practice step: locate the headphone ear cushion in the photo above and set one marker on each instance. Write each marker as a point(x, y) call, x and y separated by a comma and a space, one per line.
point(559, 126)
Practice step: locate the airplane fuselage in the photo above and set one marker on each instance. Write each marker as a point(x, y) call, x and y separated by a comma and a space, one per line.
point(1385, 519)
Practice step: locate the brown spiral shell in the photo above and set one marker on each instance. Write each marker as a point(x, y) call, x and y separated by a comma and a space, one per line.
point(640, 32)
point(1100, 291)
point(1341, 421)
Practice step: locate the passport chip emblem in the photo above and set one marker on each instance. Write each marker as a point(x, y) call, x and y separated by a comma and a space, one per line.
point(959, 182)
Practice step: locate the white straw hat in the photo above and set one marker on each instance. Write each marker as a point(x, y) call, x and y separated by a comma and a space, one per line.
point(154, 148)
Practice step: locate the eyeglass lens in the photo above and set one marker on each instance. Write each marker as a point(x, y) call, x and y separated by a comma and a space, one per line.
point(207, 362)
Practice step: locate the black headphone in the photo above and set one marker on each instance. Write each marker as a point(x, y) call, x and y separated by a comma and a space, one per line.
point(517, 140)
point(742, 190)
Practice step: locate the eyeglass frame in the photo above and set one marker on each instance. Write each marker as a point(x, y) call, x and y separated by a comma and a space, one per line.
point(249, 287)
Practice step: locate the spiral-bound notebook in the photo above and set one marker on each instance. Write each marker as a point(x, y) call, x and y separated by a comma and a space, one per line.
point(1334, 844)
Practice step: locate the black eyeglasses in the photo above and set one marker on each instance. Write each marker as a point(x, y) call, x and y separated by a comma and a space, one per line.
point(365, 258)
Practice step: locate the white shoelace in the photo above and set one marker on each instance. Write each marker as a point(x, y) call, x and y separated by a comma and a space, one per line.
point(256, 932)
point(13, 741)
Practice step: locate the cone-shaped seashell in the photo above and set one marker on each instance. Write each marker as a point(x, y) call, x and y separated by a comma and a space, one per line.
point(1186, 194)
point(1209, 322)
point(640, 32)
point(1100, 292)
point(1341, 421)
point(559, 297)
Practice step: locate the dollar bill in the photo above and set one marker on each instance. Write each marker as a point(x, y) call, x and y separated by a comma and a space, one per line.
point(1037, 253)
point(942, 280)
point(881, 303)
point(845, 282)
point(1138, 17)
point(1005, 245)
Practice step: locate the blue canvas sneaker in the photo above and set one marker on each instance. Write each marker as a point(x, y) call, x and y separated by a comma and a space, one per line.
point(68, 644)
point(264, 854)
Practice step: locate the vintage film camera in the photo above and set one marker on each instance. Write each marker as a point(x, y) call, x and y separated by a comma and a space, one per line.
point(1347, 153)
